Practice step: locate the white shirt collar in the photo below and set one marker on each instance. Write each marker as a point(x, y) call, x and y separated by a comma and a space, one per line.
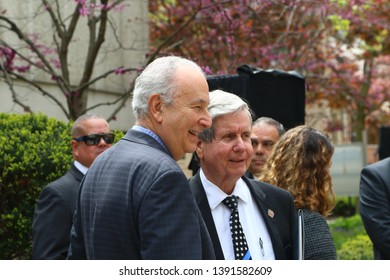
point(215, 195)
point(80, 167)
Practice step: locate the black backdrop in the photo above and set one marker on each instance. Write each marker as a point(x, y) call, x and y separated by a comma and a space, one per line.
point(384, 142)
point(270, 93)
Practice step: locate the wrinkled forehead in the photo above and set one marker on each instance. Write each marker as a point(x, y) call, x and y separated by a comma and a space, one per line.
point(237, 121)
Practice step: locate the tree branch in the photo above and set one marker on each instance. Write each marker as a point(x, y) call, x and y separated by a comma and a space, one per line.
point(15, 99)
point(42, 91)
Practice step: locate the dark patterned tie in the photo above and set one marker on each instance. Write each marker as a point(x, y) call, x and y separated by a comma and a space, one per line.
point(240, 245)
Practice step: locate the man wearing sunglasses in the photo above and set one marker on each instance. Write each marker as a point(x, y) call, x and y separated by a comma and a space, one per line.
point(135, 201)
point(54, 211)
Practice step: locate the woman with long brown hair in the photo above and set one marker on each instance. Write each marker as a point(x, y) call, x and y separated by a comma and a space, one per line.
point(300, 163)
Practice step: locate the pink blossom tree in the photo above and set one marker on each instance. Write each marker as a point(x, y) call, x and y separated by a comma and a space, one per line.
point(341, 47)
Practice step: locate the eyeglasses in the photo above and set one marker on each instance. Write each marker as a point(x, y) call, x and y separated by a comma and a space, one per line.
point(94, 139)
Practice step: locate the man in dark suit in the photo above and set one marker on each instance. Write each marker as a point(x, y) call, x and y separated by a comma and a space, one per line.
point(375, 206)
point(53, 214)
point(266, 212)
point(135, 201)
point(265, 133)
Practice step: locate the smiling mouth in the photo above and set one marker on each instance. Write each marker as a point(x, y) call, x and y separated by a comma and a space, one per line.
point(237, 161)
point(193, 133)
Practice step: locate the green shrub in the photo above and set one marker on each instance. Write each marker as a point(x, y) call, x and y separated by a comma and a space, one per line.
point(35, 150)
point(353, 223)
point(345, 228)
point(358, 248)
point(351, 239)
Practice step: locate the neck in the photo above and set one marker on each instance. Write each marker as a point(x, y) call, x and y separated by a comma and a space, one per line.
point(226, 184)
point(147, 123)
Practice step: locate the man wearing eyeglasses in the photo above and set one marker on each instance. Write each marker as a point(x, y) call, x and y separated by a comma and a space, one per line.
point(54, 211)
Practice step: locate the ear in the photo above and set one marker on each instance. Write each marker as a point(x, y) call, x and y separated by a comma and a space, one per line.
point(199, 149)
point(155, 107)
point(75, 151)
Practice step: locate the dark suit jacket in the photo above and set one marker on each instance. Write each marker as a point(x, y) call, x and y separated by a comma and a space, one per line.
point(135, 203)
point(375, 206)
point(53, 216)
point(249, 175)
point(281, 226)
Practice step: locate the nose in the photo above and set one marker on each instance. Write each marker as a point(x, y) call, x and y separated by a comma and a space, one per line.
point(239, 145)
point(206, 119)
point(259, 149)
point(102, 142)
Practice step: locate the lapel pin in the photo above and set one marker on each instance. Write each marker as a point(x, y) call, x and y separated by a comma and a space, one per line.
point(271, 213)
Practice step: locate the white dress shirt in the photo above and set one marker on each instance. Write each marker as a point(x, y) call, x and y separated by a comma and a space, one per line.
point(252, 222)
point(80, 167)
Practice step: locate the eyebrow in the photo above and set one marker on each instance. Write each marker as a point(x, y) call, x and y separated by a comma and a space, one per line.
point(199, 100)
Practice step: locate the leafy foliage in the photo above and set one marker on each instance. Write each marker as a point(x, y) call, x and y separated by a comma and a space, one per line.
point(358, 248)
point(35, 150)
point(351, 240)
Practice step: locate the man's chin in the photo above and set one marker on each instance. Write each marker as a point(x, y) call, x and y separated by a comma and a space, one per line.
point(191, 148)
point(257, 172)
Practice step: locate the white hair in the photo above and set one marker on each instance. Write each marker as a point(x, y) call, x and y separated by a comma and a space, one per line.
point(158, 77)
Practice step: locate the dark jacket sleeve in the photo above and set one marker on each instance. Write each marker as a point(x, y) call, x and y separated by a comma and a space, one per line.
point(53, 216)
point(51, 226)
point(375, 206)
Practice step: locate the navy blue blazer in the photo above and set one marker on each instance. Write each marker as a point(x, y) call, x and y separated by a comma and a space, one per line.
point(135, 203)
point(281, 223)
point(53, 216)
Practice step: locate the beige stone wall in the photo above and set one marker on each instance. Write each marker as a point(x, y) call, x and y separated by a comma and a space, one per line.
point(129, 26)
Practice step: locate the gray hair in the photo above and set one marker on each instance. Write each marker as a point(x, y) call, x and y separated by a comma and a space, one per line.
point(223, 103)
point(270, 121)
point(158, 77)
point(78, 128)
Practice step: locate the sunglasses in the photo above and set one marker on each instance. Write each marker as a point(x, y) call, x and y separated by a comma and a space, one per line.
point(94, 139)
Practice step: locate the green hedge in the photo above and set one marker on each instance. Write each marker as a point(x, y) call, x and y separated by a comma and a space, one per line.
point(35, 150)
point(357, 248)
point(351, 239)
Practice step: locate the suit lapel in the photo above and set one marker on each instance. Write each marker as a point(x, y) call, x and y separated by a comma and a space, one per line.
point(76, 173)
point(203, 204)
point(267, 211)
point(268, 214)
